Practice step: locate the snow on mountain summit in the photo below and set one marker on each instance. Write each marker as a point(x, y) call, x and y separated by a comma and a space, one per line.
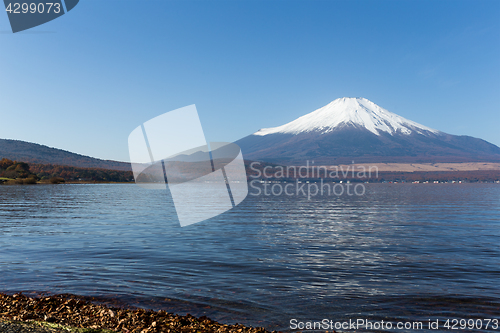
point(346, 111)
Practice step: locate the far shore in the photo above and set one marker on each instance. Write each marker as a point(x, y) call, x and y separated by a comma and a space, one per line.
point(69, 182)
point(466, 172)
point(425, 167)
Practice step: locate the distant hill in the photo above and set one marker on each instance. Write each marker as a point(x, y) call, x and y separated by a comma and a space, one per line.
point(39, 154)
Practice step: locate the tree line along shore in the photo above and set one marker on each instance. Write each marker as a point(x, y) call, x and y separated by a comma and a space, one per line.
point(22, 173)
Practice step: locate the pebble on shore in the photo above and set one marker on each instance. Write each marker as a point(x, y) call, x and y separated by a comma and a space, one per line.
point(72, 311)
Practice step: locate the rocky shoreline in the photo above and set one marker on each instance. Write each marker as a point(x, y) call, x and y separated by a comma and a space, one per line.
point(70, 313)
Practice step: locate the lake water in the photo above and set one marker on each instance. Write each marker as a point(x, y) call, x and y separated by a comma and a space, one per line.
point(401, 252)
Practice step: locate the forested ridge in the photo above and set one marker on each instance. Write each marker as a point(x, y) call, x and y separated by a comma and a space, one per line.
point(34, 153)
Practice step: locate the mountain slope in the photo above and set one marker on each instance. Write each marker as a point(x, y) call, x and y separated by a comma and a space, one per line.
point(35, 153)
point(357, 129)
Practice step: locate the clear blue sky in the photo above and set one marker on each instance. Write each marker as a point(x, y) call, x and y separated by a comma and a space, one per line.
point(84, 81)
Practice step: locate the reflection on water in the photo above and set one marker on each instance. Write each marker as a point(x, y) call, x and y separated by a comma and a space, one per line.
point(400, 252)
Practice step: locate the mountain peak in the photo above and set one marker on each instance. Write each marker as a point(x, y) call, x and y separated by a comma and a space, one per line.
point(350, 112)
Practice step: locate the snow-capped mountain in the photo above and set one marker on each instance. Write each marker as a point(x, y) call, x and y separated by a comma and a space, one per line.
point(349, 111)
point(357, 129)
